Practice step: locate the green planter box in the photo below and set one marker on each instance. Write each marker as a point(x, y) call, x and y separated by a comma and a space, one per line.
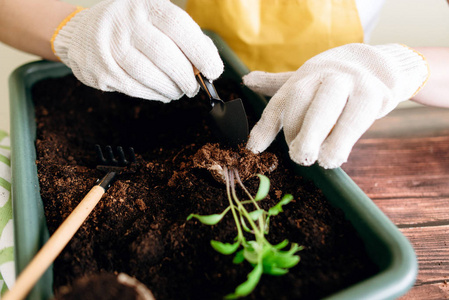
point(385, 244)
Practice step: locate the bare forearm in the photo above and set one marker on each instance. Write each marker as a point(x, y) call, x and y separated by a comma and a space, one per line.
point(28, 25)
point(436, 90)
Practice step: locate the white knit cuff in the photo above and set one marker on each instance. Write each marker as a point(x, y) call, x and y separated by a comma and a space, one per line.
point(412, 66)
point(61, 39)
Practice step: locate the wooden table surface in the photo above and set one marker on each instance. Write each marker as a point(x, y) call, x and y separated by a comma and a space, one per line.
point(402, 164)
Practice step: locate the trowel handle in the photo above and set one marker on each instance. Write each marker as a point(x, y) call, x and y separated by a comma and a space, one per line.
point(55, 244)
point(207, 86)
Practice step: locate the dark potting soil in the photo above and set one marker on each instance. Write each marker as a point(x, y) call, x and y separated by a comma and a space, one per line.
point(139, 227)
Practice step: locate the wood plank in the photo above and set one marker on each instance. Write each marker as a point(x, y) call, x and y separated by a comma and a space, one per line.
point(436, 291)
point(422, 186)
point(400, 157)
point(431, 245)
point(402, 163)
point(412, 212)
point(432, 249)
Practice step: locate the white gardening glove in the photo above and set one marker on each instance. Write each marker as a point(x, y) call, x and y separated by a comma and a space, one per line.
point(143, 48)
point(328, 103)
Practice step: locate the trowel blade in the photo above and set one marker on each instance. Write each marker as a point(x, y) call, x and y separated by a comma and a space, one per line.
point(231, 121)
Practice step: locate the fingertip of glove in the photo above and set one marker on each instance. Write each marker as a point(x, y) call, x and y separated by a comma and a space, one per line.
point(255, 145)
point(211, 68)
point(262, 82)
point(206, 58)
point(334, 154)
point(251, 147)
point(331, 163)
point(192, 93)
point(214, 72)
point(251, 78)
point(308, 156)
point(327, 165)
point(303, 158)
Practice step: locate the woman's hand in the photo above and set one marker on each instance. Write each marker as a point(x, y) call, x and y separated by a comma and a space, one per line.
point(143, 48)
point(329, 102)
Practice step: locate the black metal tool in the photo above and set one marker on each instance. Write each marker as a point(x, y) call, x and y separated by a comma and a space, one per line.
point(229, 117)
point(109, 163)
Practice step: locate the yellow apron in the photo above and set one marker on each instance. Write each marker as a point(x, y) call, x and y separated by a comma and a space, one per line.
point(279, 35)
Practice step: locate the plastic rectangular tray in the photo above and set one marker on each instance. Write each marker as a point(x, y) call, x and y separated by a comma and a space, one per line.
point(385, 244)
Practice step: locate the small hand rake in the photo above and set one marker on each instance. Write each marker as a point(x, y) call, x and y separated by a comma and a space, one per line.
point(61, 237)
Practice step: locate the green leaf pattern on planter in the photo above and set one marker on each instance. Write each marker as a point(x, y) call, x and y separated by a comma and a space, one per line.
point(7, 269)
point(263, 256)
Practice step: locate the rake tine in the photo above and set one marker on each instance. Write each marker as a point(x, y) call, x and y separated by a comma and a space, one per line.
point(121, 155)
point(110, 156)
point(107, 158)
point(132, 155)
point(100, 157)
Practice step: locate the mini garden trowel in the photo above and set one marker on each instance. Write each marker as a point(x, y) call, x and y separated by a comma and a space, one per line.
point(229, 117)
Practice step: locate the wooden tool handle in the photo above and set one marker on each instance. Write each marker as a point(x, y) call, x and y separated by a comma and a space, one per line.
point(60, 238)
point(207, 86)
point(195, 70)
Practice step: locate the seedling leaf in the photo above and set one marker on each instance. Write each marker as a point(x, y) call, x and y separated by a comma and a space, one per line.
point(250, 253)
point(225, 248)
point(248, 286)
point(282, 259)
point(264, 257)
point(243, 223)
point(239, 257)
point(272, 270)
point(255, 214)
point(295, 248)
point(264, 187)
point(275, 210)
point(281, 245)
point(209, 219)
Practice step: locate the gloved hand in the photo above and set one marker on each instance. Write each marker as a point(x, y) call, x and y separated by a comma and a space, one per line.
point(328, 103)
point(143, 48)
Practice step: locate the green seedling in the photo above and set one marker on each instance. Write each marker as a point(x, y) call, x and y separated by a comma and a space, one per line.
point(261, 254)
